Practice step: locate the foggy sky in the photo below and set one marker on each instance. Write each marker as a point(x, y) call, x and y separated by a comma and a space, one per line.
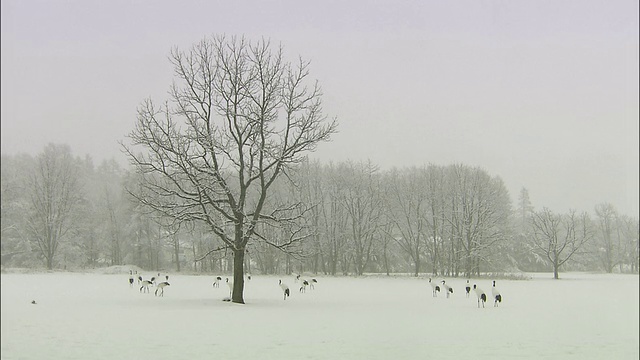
point(543, 94)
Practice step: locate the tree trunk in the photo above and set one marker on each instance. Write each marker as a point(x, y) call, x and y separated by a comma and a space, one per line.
point(238, 276)
point(386, 260)
point(176, 248)
point(333, 268)
point(195, 263)
point(323, 264)
point(314, 262)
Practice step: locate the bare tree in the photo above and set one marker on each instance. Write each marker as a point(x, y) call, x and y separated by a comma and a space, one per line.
point(616, 239)
point(434, 191)
point(333, 222)
point(559, 237)
point(311, 180)
point(112, 211)
point(479, 213)
point(629, 230)
point(14, 198)
point(608, 244)
point(240, 117)
point(363, 203)
point(386, 242)
point(170, 231)
point(54, 195)
point(406, 203)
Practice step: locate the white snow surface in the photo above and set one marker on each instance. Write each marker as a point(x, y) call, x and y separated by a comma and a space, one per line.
point(99, 316)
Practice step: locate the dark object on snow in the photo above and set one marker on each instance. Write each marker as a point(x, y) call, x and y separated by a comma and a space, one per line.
point(33, 302)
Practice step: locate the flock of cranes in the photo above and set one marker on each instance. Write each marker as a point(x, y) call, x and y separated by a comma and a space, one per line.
point(286, 292)
point(442, 286)
point(303, 285)
point(145, 284)
point(481, 295)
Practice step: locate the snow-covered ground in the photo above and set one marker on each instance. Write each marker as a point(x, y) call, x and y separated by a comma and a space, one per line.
point(98, 316)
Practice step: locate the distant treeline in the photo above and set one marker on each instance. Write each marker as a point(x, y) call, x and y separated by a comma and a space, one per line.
point(62, 211)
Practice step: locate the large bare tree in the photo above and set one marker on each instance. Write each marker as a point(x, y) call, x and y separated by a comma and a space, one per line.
point(239, 117)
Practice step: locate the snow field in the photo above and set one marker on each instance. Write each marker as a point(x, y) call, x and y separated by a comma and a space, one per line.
point(98, 316)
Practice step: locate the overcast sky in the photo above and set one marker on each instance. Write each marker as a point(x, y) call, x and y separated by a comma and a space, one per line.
point(543, 94)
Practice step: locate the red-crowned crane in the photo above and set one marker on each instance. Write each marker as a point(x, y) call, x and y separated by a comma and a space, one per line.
point(285, 289)
point(145, 285)
point(434, 287)
point(161, 288)
point(448, 289)
point(303, 288)
point(481, 295)
point(230, 285)
point(497, 297)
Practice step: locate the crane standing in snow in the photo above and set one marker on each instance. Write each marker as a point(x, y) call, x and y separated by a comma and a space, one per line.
point(285, 289)
point(448, 289)
point(161, 288)
point(145, 285)
point(481, 295)
point(497, 297)
point(230, 285)
point(303, 288)
point(434, 287)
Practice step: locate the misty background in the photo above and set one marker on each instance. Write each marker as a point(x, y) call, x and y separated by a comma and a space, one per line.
point(542, 94)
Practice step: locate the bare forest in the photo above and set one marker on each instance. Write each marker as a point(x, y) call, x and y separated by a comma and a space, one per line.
point(61, 211)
